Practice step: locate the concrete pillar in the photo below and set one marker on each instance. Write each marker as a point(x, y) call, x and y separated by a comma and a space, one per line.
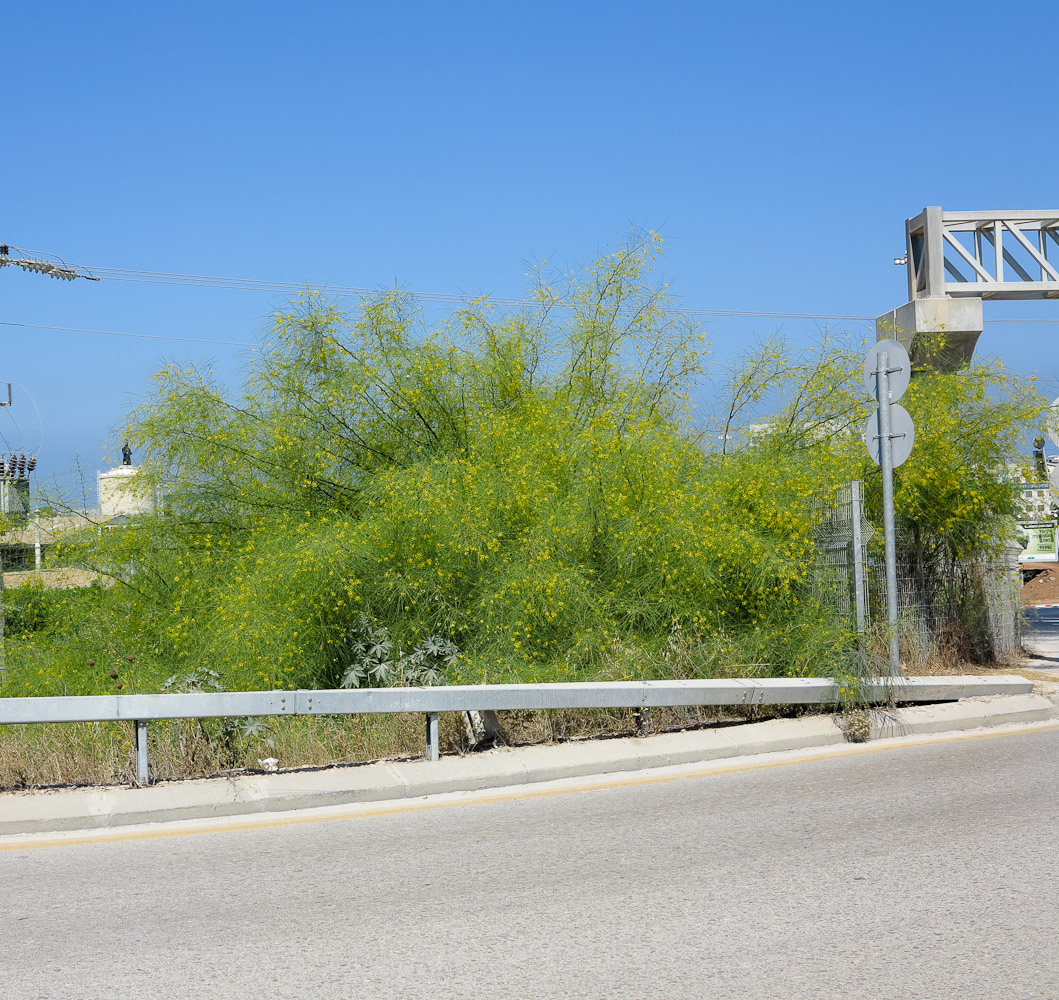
point(937, 331)
point(1002, 581)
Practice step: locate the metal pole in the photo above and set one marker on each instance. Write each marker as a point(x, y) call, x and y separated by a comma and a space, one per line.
point(3, 622)
point(433, 744)
point(141, 751)
point(886, 463)
point(856, 504)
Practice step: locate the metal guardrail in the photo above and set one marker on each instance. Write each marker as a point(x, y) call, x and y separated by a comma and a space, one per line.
point(430, 701)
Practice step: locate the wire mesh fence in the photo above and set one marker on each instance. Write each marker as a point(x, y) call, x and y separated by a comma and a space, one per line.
point(965, 609)
point(840, 576)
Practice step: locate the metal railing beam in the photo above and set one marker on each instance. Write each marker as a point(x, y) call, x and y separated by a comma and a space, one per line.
point(495, 697)
point(431, 701)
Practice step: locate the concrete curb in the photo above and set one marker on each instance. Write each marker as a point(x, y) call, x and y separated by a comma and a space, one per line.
point(101, 807)
point(970, 713)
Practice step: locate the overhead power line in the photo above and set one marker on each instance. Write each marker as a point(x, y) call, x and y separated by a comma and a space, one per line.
point(140, 336)
point(452, 298)
point(292, 287)
point(240, 343)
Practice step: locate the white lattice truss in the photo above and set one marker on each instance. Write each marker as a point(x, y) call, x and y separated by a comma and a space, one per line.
point(994, 255)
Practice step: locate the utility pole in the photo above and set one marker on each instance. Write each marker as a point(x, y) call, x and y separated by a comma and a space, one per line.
point(15, 470)
point(39, 265)
point(15, 507)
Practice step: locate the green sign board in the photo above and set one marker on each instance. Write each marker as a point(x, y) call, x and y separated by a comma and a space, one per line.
point(1039, 543)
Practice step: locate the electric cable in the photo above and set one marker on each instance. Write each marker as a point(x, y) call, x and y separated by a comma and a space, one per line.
point(36, 410)
point(141, 336)
point(452, 298)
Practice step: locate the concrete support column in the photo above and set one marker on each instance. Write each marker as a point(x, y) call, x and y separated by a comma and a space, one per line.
point(937, 331)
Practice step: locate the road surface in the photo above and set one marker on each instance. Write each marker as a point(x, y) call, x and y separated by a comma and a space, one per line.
point(1040, 637)
point(925, 872)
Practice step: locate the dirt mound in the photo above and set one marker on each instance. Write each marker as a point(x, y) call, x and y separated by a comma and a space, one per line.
point(1044, 587)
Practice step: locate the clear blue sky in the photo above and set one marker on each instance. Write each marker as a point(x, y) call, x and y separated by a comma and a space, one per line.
point(778, 147)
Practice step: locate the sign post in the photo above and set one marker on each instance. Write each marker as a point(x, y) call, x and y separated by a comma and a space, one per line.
point(889, 436)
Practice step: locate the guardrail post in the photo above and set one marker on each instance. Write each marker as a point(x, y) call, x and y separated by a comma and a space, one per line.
point(141, 752)
point(433, 744)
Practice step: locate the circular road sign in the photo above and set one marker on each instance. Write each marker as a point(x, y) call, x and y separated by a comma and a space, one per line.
point(902, 434)
point(896, 361)
point(1051, 422)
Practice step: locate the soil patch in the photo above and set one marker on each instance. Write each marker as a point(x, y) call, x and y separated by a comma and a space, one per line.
point(1043, 588)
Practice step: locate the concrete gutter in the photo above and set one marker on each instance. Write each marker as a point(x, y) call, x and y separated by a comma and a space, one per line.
point(24, 812)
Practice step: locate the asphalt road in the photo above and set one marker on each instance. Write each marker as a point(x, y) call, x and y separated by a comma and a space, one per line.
point(925, 872)
point(1041, 635)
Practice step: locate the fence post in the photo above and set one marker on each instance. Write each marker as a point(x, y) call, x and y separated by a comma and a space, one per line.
point(433, 744)
point(141, 751)
point(856, 502)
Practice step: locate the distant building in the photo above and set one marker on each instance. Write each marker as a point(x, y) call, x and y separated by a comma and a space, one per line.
point(121, 492)
point(30, 535)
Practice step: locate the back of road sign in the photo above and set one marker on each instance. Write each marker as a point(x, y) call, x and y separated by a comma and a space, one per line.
point(897, 363)
point(902, 434)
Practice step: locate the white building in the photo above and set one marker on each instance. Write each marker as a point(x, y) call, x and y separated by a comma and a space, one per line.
point(120, 492)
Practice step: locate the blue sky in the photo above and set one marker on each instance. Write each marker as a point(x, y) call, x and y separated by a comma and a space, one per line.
point(778, 147)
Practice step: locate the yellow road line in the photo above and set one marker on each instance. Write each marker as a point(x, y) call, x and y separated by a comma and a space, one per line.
point(512, 793)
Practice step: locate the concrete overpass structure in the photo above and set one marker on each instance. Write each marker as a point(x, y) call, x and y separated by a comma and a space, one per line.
point(955, 260)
